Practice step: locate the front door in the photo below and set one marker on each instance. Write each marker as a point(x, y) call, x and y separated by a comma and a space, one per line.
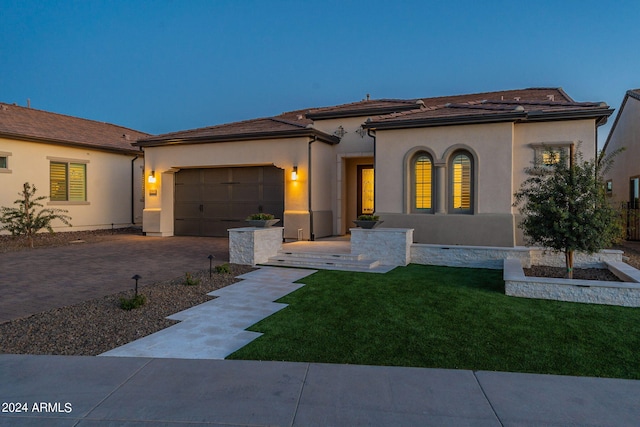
point(365, 190)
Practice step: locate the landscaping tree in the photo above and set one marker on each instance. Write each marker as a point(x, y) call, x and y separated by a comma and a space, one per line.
point(26, 220)
point(565, 207)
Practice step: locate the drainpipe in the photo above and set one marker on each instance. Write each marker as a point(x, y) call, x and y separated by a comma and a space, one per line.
point(133, 215)
point(312, 236)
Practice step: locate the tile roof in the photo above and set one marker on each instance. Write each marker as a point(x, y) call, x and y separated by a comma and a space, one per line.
point(530, 104)
point(290, 124)
point(635, 93)
point(525, 104)
point(42, 126)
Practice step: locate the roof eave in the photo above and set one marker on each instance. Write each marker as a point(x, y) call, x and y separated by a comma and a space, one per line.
point(444, 121)
point(321, 136)
point(37, 139)
point(600, 115)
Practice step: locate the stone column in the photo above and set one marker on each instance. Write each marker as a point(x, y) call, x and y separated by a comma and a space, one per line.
point(254, 245)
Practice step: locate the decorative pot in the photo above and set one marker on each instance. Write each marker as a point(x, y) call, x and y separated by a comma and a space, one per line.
point(367, 224)
point(263, 222)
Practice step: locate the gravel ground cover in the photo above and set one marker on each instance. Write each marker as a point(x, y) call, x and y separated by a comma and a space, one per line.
point(95, 326)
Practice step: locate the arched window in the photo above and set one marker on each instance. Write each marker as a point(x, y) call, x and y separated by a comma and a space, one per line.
point(461, 180)
point(422, 183)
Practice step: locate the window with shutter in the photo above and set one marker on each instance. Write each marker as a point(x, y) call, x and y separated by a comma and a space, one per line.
point(67, 182)
point(423, 183)
point(461, 183)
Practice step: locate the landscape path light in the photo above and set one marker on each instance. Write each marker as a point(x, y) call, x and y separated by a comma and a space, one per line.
point(136, 277)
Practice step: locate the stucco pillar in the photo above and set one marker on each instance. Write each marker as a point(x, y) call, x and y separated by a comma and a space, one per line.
point(441, 191)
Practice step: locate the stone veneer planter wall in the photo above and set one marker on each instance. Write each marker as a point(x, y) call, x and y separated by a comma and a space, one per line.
point(586, 291)
point(390, 246)
point(254, 245)
point(492, 257)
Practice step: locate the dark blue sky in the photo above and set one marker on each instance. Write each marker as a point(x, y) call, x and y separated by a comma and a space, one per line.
point(161, 66)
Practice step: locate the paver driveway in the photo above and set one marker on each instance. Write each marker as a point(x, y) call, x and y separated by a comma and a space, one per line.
point(45, 278)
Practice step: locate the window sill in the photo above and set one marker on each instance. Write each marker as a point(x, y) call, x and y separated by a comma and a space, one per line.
point(63, 203)
point(2, 170)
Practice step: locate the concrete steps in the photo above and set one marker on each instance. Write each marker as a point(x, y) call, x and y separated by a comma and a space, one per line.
point(326, 261)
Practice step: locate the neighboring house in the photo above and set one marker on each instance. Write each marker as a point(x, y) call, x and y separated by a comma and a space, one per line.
point(623, 180)
point(447, 167)
point(86, 167)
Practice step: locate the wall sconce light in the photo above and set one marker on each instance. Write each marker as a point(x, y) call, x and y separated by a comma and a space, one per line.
point(152, 177)
point(294, 173)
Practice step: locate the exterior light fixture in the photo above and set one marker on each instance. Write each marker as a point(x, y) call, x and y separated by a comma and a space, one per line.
point(152, 177)
point(294, 173)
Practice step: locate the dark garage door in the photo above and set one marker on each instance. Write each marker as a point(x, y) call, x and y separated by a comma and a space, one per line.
point(210, 201)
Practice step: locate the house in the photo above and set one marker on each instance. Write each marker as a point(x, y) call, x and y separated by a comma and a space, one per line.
point(623, 180)
point(87, 167)
point(447, 167)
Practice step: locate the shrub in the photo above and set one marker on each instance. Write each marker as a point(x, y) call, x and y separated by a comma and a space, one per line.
point(26, 219)
point(132, 303)
point(260, 216)
point(223, 268)
point(368, 218)
point(189, 280)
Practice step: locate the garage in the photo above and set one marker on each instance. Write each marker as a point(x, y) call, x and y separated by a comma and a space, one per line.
point(210, 201)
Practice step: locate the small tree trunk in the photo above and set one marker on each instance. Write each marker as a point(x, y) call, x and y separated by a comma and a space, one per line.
point(568, 257)
point(27, 212)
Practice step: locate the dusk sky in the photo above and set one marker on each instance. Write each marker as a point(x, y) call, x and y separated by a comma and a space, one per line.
point(163, 66)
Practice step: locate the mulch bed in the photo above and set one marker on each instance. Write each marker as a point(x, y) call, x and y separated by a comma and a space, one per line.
point(578, 273)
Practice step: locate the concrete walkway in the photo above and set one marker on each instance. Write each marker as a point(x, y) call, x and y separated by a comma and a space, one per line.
point(114, 391)
point(217, 328)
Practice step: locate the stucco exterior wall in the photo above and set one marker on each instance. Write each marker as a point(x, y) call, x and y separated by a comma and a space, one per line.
point(108, 183)
point(627, 164)
point(528, 135)
point(354, 140)
point(501, 153)
point(323, 188)
point(491, 147)
point(283, 153)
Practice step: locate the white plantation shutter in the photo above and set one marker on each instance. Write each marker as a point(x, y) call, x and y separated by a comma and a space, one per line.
point(58, 181)
point(77, 182)
point(423, 184)
point(67, 182)
point(461, 182)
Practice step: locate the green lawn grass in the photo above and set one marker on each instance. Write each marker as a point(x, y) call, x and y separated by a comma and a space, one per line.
point(441, 317)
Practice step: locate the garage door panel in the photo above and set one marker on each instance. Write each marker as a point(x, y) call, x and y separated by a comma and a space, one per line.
point(217, 211)
point(210, 201)
point(187, 227)
point(245, 193)
point(241, 211)
point(246, 175)
point(215, 193)
point(187, 193)
point(273, 193)
point(215, 176)
point(187, 176)
point(188, 210)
